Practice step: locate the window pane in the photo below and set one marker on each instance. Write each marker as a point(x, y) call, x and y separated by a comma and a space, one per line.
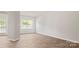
point(26, 24)
point(2, 23)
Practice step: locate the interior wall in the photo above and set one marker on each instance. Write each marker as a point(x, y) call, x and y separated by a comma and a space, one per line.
point(60, 24)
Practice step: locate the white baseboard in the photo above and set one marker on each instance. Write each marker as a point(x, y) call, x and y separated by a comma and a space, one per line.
point(59, 37)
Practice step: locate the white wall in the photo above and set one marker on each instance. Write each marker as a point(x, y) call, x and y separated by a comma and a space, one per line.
point(60, 24)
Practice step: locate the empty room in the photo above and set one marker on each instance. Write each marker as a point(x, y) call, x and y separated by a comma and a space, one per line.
point(39, 29)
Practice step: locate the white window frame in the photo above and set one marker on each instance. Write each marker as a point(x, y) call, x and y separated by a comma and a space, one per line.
point(33, 30)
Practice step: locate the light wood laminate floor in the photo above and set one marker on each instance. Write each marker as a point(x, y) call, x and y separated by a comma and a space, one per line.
point(36, 41)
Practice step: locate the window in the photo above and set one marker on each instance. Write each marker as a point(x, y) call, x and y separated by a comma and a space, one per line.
point(3, 24)
point(26, 24)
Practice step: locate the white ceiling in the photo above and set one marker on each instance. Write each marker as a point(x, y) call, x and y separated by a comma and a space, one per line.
point(3, 12)
point(33, 13)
